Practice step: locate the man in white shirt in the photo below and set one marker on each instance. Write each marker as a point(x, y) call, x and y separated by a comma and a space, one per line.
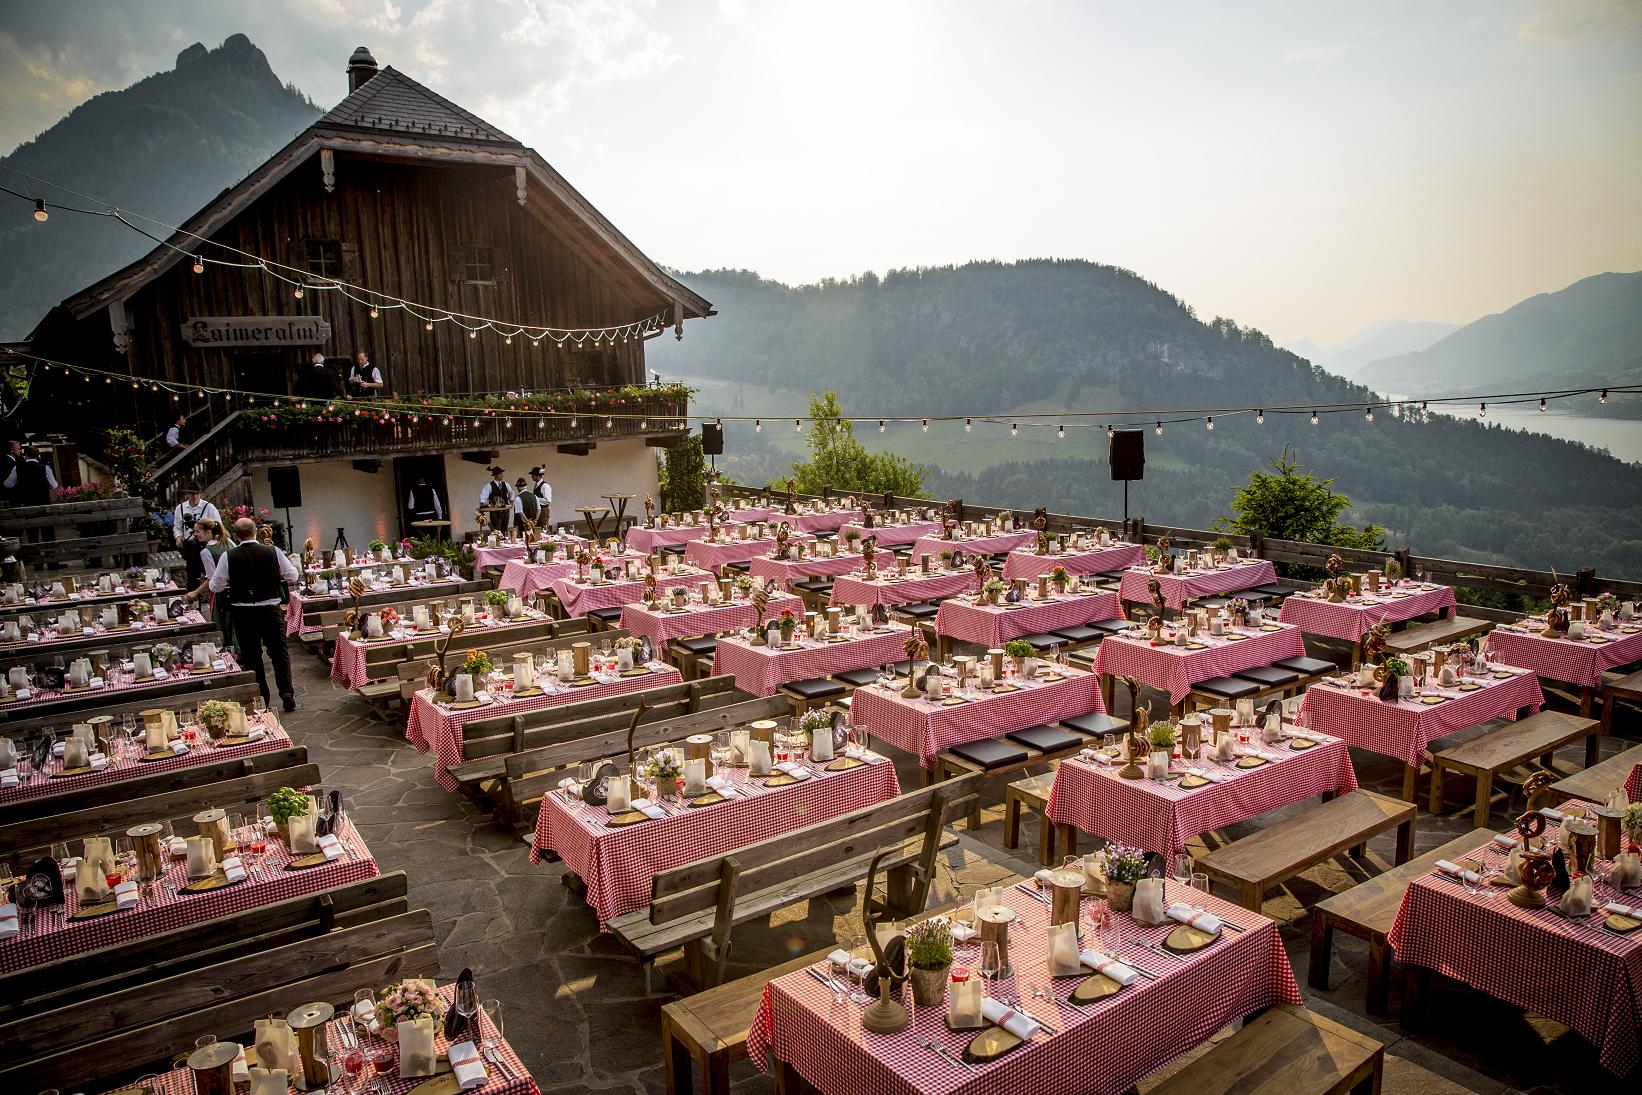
point(363, 377)
point(423, 502)
point(192, 508)
point(255, 577)
point(497, 493)
point(543, 491)
point(173, 436)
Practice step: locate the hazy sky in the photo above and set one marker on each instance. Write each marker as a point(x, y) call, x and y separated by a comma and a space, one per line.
point(1309, 167)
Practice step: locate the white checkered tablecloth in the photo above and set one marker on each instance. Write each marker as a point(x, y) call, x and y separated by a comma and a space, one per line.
point(1349, 619)
point(761, 670)
point(890, 536)
point(825, 521)
point(88, 599)
point(181, 1081)
point(713, 556)
point(348, 660)
point(1574, 971)
point(122, 686)
point(662, 626)
point(1178, 587)
point(1161, 817)
point(53, 936)
point(136, 633)
point(1102, 1050)
point(648, 540)
point(295, 605)
point(527, 578)
point(39, 784)
point(1405, 728)
point(1028, 564)
point(995, 625)
point(853, 589)
point(973, 545)
point(617, 864)
point(580, 598)
point(437, 727)
point(788, 571)
point(1576, 661)
point(925, 728)
point(497, 556)
point(1174, 669)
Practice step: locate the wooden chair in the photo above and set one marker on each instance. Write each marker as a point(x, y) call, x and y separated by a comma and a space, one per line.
point(1510, 745)
point(1285, 1051)
point(696, 906)
point(1282, 850)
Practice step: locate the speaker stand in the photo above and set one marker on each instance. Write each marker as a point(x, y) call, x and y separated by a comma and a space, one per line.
point(342, 540)
point(1125, 504)
point(290, 533)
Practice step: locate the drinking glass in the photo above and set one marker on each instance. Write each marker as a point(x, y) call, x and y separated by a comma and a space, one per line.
point(258, 707)
point(353, 1063)
point(1180, 869)
point(990, 964)
point(1200, 881)
point(383, 1060)
point(205, 1040)
point(467, 1001)
point(493, 1011)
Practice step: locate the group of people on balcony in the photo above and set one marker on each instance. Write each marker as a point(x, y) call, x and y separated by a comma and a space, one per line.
point(362, 381)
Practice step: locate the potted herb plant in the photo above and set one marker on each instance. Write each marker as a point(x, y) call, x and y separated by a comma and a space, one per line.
point(946, 559)
point(1125, 866)
point(1398, 683)
point(286, 803)
point(496, 598)
point(929, 955)
point(1161, 736)
point(992, 591)
point(1021, 651)
point(379, 551)
point(681, 596)
point(852, 538)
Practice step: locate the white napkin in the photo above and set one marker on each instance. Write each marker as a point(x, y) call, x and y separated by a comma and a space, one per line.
point(1506, 840)
point(160, 674)
point(331, 846)
point(648, 809)
point(232, 868)
point(1454, 870)
point(840, 957)
point(465, 1063)
point(963, 933)
point(1550, 815)
point(862, 754)
point(1109, 966)
point(178, 847)
point(179, 747)
point(1044, 877)
point(57, 748)
point(97, 761)
point(723, 787)
point(365, 1010)
point(242, 1070)
point(794, 769)
point(125, 895)
point(1612, 906)
point(8, 921)
point(8, 777)
point(257, 733)
point(1021, 1026)
point(1211, 776)
point(1197, 918)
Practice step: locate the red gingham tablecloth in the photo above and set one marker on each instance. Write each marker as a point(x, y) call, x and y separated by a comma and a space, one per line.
point(1178, 587)
point(433, 726)
point(788, 571)
point(713, 556)
point(1633, 784)
point(890, 535)
point(294, 605)
point(663, 626)
point(647, 540)
point(579, 598)
point(528, 578)
point(52, 936)
point(995, 625)
point(825, 521)
point(1161, 817)
point(120, 684)
point(761, 670)
point(88, 599)
point(918, 726)
point(181, 1081)
point(1175, 669)
point(497, 556)
point(1574, 971)
point(163, 632)
point(990, 544)
point(1577, 661)
point(853, 589)
point(1403, 729)
point(1026, 563)
point(38, 784)
point(348, 659)
point(1349, 619)
point(617, 864)
point(1102, 1051)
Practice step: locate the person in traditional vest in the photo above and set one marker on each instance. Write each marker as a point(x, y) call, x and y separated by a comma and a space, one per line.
point(214, 545)
point(9, 461)
point(543, 490)
point(525, 506)
point(191, 510)
point(255, 577)
point(497, 493)
point(423, 502)
point(30, 483)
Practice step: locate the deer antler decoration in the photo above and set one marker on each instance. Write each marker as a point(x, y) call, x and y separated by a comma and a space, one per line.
point(1137, 730)
point(761, 601)
point(441, 646)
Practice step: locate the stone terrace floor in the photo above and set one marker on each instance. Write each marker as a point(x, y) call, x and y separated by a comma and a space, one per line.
point(575, 1005)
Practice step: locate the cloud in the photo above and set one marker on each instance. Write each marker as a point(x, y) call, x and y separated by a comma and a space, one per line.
point(1316, 58)
point(1573, 20)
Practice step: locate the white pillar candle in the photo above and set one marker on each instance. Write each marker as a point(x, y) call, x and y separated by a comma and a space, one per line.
point(143, 664)
point(464, 687)
point(524, 671)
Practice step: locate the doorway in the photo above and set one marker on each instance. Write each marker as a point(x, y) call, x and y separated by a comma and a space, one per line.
point(406, 471)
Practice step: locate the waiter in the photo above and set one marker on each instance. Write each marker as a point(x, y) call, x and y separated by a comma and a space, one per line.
point(497, 493)
point(255, 577)
point(191, 510)
point(525, 506)
point(543, 490)
point(423, 503)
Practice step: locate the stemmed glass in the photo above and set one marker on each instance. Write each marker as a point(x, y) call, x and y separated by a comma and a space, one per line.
point(990, 965)
point(1180, 869)
point(467, 1002)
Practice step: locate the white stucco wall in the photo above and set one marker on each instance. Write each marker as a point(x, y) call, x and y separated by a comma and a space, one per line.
point(334, 494)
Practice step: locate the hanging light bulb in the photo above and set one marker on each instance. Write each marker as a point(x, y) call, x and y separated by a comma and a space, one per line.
point(1314, 418)
point(473, 333)
point(1061, 431)
point(644, 423)
point(373, 313)
point(609, 425)
point(1211, 421)
point(1603, 398)
point(758, 426)
point(428, 325)
point(797, 426)
point(1110, 432)
point(1541, 404)
point(508, 340)
point(572, 421)
point(1014, 429)
point(926, 425)
point(880, 425)
point(1368, 414)
point(1159, 430)
point(1482, 410)
point(199, 265)
point(40, 213)
point(297, 292)
point(1260, 417)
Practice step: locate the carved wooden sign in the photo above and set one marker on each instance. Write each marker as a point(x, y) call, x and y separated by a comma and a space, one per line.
point(251, 332)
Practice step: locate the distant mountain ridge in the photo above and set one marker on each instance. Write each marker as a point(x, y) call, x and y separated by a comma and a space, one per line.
point(1587, 333)
point(1387, 338)
point(164, 146)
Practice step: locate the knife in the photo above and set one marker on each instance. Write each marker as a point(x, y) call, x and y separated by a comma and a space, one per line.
point(1153, 947)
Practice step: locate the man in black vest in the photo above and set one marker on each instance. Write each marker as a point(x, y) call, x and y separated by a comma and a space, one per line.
point(31, 481)
point(423, 504)
point(255, 576)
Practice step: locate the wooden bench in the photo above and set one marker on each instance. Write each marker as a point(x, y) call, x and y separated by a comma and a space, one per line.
point(64, 651)
point(1033, 793)
point(1022, 749)
point(1597, 782)
point(120, 815)
point(1512, 744)
point(1453, 629)
point(1286, 1051)
point(1282, 850)
point(143, 784)
point(128, 1029)
point(1628, 687)
point(382, 658)
point(696, 906)
point(168, 693)
point(1367, 911)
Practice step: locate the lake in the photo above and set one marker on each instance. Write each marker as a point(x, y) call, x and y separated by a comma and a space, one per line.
point(1620, 436)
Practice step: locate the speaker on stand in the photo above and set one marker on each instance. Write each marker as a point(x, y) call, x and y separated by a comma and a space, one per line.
point(712, 444)
point(1126, 453)
point(285, 491)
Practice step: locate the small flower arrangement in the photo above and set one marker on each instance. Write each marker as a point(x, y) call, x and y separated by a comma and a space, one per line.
point(1459, 653)
point(663, 765)
point(1125, 864)
point(405, 546)
point(1005, 518)
point(166, 655)
point(389, 618)
point(87, 492)
point(286, 803)
point(496, 598)
point(1059, 576)
point(679, 592)
point(628, 642)
point(994, 587)
point(815, 721)
point(1392, 570)
point(133, 572)
point(214, 716)
point(1238, 607)
point(929, 944)
point(141, 610)
point(1018, 648)
point(787, 622)
point(744, 583)
point(408, 1000)
point(1607, 602)
point(1397, 667)
point(597, 563)
point(1161, 735)
point(477, 664)
point(1633, 819)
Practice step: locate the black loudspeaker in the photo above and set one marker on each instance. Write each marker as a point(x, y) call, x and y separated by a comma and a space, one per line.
point(712, 439)
point(1126, 452)
point(285, 488)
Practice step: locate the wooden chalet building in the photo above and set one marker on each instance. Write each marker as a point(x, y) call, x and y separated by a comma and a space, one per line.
point(402, 192)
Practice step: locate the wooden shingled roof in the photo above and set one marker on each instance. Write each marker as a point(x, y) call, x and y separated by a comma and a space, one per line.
point(394, 102)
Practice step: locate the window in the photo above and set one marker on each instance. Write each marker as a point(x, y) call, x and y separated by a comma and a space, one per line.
point(325, 258)
point(479, 264)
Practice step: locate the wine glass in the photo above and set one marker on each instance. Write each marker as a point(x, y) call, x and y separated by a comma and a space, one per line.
point(258, 706)
point(1180, 869)
point(990, 964)
point(467, 1001)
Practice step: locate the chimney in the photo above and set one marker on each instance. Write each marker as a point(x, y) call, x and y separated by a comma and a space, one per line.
point(361, 67)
